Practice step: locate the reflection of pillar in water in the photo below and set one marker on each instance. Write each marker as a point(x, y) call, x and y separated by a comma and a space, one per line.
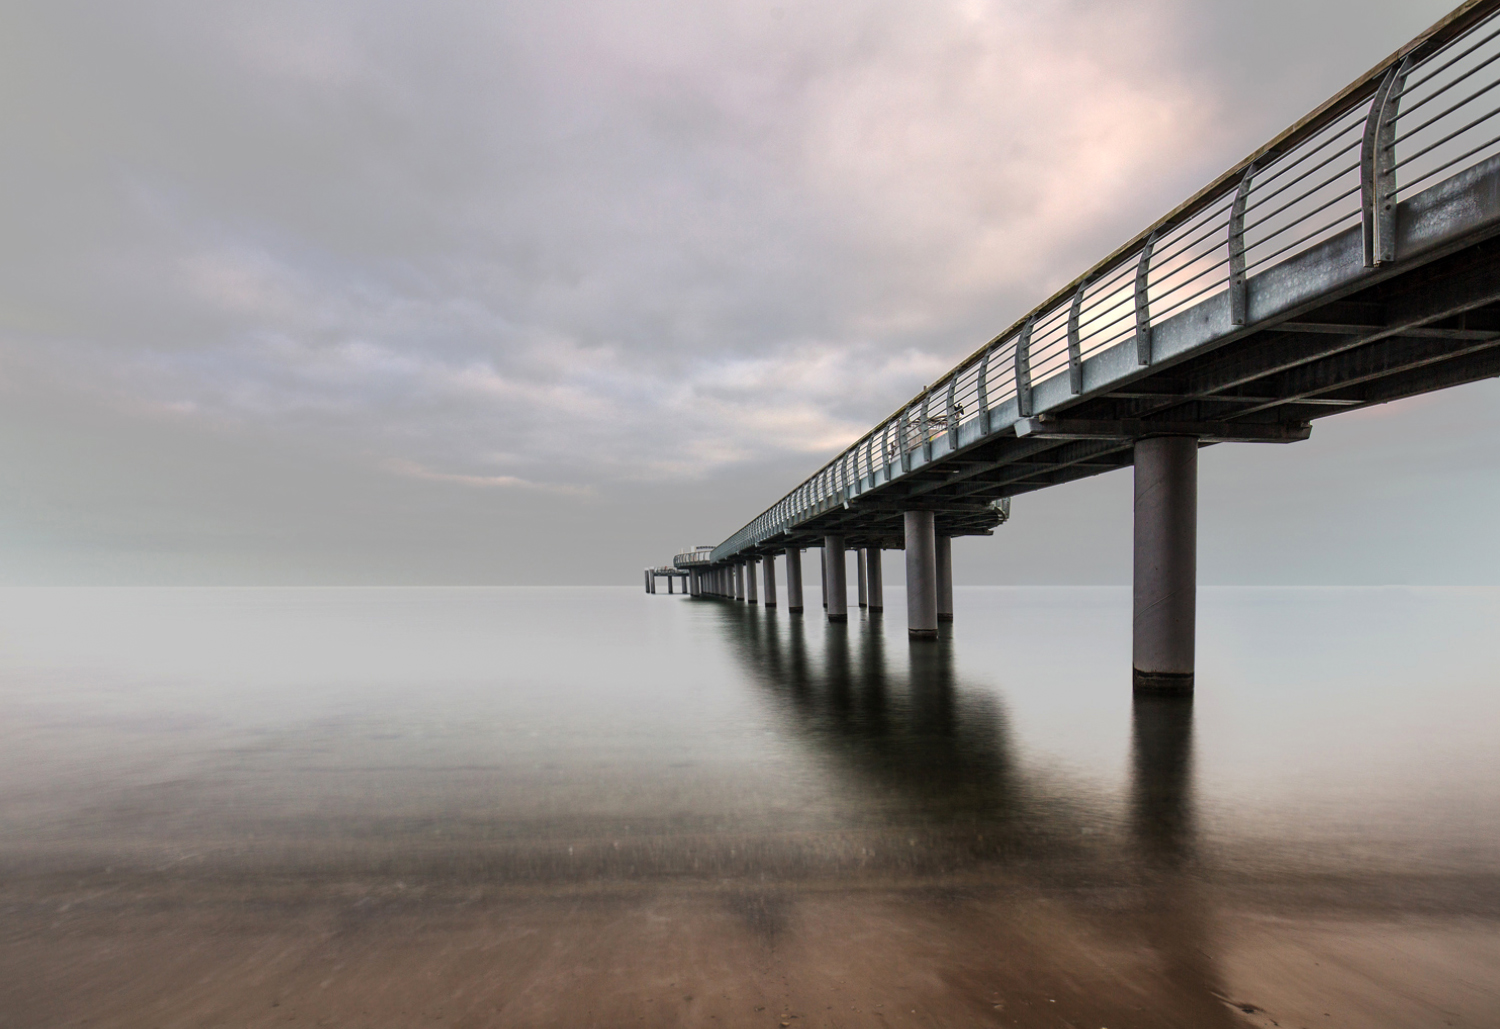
point(797, 672)
point(1175, 915)
point(932, 689)
point(874, 680)
point(1161, 785)
point(838, 682)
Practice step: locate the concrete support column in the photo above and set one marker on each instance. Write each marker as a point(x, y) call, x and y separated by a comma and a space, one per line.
point(823, 564)
point(1166, 563)
point(794, 579)
point(752, 593)
point(672, 584)
point(770, 566)
point(859, 567)
point(921, 576)
point(876, 576)
point(838, 579)
point(739, 582)
point(943, 553)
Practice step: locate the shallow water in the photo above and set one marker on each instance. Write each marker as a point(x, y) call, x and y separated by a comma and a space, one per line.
point(593, 806)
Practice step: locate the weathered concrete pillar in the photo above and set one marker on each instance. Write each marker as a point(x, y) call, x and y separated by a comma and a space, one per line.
point(794, 579)
point(943, 553)
point(672, 584)
point(752, 592)
point(1166, 563)
point(921, 576)
point(739, 582)
point(770, 566)
point(859, 567)
point(837, 578)
point(823, 564)
point(876, 577)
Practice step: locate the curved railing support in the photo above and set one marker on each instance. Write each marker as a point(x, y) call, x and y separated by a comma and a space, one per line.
point(1377, 168)
point(1238, 293)
point(1143, 304)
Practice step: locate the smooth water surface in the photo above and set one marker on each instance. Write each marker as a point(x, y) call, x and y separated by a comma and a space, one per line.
point(597, 807)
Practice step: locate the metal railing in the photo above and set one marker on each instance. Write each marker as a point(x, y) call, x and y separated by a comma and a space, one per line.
point(1430, 108)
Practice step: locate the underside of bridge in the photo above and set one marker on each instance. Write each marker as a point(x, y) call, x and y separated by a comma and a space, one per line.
point(1416, 330)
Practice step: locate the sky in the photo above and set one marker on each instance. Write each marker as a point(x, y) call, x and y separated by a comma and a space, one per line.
point(541, 293)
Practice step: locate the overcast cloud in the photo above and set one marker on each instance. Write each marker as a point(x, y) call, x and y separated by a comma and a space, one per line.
point(527, 292)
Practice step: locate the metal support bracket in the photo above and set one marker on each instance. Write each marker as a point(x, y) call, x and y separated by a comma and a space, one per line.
point(1142, 307)
point(1238, 292)
point(1377, 168)
point(1023, 370)
point(1130, 429)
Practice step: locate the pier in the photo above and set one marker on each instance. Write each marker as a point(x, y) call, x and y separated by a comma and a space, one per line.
point(1350, 261)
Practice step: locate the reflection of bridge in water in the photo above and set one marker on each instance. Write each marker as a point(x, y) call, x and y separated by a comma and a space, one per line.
point(1350, 261)
point(938, 761)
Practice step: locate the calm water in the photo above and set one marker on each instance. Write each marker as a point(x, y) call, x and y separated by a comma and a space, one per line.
point(592, 806)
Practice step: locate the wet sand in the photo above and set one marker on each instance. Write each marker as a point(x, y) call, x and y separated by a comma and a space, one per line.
point(170, 950)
